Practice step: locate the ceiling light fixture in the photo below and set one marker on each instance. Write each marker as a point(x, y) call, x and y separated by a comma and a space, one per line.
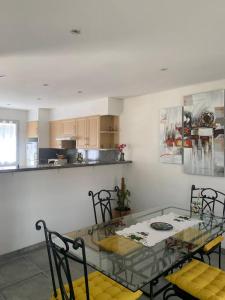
point(8, 104)
point(75, 31)
point(38, 99)
point(163, 69)
point(79, 92)
point(2, 75)
point(45, 84)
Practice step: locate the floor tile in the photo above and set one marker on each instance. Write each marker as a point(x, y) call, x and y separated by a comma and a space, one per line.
point(35, 288)
point(27, 277)
point(39, 258)
point(76, 271)
point(16, 270)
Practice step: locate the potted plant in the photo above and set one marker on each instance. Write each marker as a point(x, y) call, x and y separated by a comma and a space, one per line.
point(123, 200)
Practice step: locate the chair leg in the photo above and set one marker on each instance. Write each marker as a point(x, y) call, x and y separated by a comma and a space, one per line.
point(169, 293)
point(208, 255)
point(151, 291)
point(202, 257)
point(219, 256)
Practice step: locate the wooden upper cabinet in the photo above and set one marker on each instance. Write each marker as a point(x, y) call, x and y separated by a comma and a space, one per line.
point(109, 132)
point(56, 131)
point(93, 132)
point(87, 132)
point(68, 128)
point(80, 135)
point(32, 129)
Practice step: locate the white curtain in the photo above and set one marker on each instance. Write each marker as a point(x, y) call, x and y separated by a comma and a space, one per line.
point(8, 143)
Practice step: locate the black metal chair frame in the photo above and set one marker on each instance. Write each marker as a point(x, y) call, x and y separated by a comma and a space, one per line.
point(61, 256)
point(210, 200)
point(103, 199)
point(175, 291)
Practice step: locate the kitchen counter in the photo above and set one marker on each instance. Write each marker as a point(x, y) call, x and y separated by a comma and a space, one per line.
point(73, 165)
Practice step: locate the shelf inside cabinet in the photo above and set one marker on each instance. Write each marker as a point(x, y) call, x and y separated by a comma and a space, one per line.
point(109, 131)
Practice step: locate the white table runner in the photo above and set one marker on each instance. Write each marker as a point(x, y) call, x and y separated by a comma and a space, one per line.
point(149, 236)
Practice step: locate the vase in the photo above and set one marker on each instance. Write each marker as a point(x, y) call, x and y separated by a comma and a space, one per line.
point(120, 213)
point(122, 156)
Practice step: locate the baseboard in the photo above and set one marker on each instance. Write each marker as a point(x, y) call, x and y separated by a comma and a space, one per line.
point(22, 251)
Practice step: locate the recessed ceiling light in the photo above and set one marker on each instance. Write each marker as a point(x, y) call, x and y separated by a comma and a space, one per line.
point(45, 84)
point(163, 69)
point(38, 99)
point(2, 75)
point(75, 31)
point(79, 92)
point(8, 104)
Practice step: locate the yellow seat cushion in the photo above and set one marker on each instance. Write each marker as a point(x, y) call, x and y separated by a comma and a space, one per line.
point(200, 280)
point(101, 287)
point(119, 245)
point(213, 243)
point(192, 235)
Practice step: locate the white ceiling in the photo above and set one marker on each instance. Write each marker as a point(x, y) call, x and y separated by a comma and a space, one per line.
point(121, 49)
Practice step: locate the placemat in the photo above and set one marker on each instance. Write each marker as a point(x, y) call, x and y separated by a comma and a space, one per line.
point(143, 233)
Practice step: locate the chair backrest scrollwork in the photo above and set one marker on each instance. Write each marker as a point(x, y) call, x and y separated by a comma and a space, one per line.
point(101, 201)
point(211, 201)
point(59, 251)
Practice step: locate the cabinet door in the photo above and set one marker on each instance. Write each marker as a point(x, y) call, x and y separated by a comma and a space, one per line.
point(81, 137)
point(32, 129)
point(93, 132)
point(68, 127)
point(55, 132)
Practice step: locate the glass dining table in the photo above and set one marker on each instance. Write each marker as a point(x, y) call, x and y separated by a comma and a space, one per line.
point(125, 250)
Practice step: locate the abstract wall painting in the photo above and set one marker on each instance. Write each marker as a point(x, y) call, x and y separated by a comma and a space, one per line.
point(171, 135)
point(203, 138)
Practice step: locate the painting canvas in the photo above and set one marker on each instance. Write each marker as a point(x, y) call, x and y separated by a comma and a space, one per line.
point(171, 135)
point(203, 141)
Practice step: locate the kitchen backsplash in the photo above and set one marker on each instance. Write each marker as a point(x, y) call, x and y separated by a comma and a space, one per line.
point(47, 153)
point(71, 154)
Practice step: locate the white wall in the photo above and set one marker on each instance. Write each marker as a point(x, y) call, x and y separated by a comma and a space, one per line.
point(115, 106)
point(58, 196)
point(20, 116)
point(104, 106)
point(154, 183)
point(81, 109)
point(33, 115)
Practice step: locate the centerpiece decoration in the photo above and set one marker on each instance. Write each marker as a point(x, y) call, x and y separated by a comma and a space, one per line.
point(120, 148)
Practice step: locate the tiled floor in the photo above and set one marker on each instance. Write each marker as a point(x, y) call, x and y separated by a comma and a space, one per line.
point(26, 276)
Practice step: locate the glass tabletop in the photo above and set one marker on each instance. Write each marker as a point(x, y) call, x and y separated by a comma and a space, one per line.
point(131, 262)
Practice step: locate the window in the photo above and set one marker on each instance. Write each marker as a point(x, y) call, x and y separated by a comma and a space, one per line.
point(8, 143)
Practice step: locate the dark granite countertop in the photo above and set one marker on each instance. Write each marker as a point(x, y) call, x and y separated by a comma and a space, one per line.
point(73, 165)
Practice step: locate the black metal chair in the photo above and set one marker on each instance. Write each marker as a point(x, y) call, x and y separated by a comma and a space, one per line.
point(213, 203)
point(101, 201)
point(92, 286)
point(196, 280)
point(39, 224)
